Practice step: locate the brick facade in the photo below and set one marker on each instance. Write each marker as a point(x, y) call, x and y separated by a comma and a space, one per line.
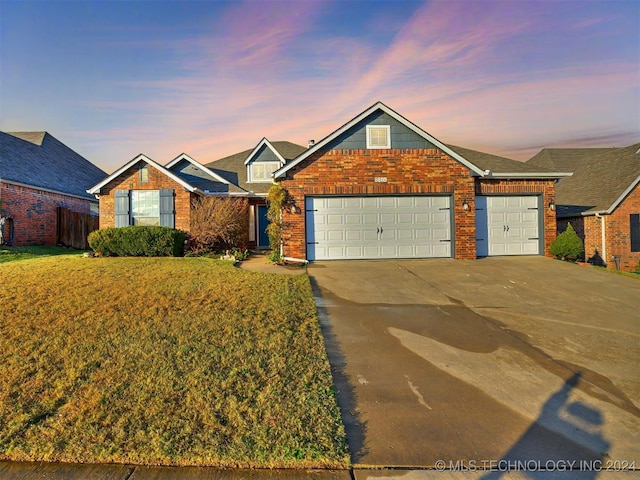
point(617, 234)
point(415, 171)
point(130, 180)
point(545, 188)
point(34, 212)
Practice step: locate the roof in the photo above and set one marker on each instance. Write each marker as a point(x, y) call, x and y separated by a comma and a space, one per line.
point(234, 169)
point(201, 177)
point(143, 158)
point(479, 164)
point(38, 159)
point(602, 177)
point(494, 165)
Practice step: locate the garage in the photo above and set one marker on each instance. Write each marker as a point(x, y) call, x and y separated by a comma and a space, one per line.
point(507, 225)
point(376, 227)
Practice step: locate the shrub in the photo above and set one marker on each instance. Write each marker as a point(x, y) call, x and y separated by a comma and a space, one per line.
point(275, 198)
point(219, 224)
point(567, 245)
point(138, 242)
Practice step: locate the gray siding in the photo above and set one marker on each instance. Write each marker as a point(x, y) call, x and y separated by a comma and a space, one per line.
point(401, 137)
point(265, 154)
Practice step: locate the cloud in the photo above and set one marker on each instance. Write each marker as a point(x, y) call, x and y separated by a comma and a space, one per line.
point(464, 71)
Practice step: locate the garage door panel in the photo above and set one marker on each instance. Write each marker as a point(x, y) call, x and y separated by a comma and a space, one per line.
point(507, 225)
point(378, 227)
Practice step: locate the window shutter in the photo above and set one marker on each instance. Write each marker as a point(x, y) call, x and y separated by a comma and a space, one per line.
point(167, 214)
point(634, 233)
point(122, 208)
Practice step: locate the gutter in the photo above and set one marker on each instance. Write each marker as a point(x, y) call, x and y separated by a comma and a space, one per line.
point(603, 235)
point(524, 175)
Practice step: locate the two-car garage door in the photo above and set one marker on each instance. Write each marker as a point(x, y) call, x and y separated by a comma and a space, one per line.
point(378, 227)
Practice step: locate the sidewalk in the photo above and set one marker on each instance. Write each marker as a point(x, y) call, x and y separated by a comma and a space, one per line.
point(68, 471)
point(260, 263)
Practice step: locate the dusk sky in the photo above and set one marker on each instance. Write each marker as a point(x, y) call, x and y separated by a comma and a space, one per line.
point(113, 79)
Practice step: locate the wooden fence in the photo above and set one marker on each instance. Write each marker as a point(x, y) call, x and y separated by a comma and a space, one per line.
point(74, 228)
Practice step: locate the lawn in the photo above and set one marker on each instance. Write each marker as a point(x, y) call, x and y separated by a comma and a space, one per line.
point(9, 254)
point(163, 361)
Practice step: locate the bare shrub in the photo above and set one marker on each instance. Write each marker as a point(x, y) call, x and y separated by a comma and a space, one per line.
point(219, 224)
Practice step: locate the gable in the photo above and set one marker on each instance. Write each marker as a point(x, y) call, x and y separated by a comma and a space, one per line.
point(355, 138)
point(198, 177)
point(264, 154)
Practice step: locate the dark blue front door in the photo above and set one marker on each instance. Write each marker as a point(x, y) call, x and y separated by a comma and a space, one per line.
point(263, 238)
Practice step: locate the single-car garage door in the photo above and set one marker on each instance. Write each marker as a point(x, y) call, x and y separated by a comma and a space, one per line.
point(507, 225)
point(378, 227)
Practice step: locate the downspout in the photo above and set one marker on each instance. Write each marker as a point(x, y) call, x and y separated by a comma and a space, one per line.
point(604, 237)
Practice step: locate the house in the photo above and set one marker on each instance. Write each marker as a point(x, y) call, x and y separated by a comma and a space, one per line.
point(601, 200)
point(144, 192)
point(381, 187)
point(377, 187)
point(38, 174)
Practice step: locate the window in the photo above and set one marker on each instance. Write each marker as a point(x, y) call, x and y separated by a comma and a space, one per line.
point(261, 171)
point(145, 207)
point(634, 231)
point(144, 173)
point(378, 136)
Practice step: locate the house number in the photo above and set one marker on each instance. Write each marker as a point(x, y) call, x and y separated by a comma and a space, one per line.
point(380, 179)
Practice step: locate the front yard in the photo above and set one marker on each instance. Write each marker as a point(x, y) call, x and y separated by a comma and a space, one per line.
point(170, 361)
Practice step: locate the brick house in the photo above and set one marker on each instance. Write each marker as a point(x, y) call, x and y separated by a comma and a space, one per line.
point(601, 200)
point(377, 187)
point(381, 187)
point(38, 174)
point(144, 192)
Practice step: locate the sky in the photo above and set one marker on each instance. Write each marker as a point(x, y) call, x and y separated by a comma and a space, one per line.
point(112, 78)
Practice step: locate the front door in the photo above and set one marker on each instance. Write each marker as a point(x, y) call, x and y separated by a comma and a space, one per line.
point(263, 237)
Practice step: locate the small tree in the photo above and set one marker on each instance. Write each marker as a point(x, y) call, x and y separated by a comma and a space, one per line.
point(568, 245)
point(219, 224)
point(276, 198)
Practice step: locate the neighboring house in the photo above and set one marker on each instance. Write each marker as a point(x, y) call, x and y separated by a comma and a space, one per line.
point(601, 200)
point(377, 187)
point(143, 192)
point(38, 173)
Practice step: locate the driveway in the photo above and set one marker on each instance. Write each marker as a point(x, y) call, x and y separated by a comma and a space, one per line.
point(473, 362)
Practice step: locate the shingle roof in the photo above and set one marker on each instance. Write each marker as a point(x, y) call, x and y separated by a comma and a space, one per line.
point(233, 169)
point(601, 177)
point(496, 164)
point(40, 160)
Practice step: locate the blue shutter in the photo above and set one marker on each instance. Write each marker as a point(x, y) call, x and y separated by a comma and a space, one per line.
point(167, 214)
point(634, 231)
point(122, 208)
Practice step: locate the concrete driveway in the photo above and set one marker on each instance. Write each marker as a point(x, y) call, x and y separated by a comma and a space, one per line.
point(472, 363)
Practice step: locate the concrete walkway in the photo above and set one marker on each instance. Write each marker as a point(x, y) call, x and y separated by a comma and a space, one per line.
point(260, 263)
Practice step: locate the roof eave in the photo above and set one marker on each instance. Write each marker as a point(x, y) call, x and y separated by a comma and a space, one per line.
point(525, 175)
point(184, 156)
point(270, 146)
point(142, 157)
point(378, 106)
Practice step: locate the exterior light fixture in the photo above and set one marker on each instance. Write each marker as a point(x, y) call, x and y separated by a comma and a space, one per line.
point(465, 205)
point(294, 209)
point(552, 205)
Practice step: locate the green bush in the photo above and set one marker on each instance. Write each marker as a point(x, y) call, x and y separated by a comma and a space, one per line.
point(138, 242)
point(567, 245)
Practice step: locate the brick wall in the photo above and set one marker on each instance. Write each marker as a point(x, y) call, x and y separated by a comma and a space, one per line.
point(619, 234)
point(34, 212)
point(545, 188)
point(130, 180)
point(353, 172)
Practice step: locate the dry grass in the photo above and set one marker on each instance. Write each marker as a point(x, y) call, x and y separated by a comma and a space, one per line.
point(168, 361)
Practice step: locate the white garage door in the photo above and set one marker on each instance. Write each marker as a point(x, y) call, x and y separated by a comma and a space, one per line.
point(507, 226)
point(378, 227)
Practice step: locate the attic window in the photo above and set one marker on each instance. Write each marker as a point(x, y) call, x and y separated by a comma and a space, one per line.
point(378, 136)
point(144, 173)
